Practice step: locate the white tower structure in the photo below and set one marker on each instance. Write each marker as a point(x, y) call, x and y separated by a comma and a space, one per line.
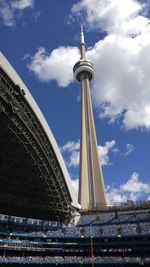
point(91, 182)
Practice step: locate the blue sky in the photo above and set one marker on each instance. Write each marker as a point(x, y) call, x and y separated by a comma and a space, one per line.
point(40, 38)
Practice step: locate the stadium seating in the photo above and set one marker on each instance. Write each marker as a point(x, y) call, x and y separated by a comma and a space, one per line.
point(121, 239)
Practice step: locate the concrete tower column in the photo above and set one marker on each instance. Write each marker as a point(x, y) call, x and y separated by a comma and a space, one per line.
point(91, 182)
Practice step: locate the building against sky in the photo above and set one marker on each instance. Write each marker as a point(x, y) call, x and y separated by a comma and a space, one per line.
point(91, 182)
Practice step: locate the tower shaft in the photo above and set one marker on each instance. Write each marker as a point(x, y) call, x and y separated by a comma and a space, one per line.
point(91, 182)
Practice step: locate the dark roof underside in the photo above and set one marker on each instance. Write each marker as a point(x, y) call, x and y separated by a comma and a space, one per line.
point(31, 181)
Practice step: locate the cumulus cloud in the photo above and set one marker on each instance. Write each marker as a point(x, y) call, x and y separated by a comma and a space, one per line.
point(72, 150)
point(6, 14)
point(22, 4)
point(71, 146)
point(74, 159)
point(111, 15)
point(115, 196)
point(9, 9)
point(55, 66)
point(120, 90)
point(135, 186)
point(134, 189)
point(104, 152)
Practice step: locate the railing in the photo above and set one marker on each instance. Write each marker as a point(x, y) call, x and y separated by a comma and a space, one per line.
point(117, 207)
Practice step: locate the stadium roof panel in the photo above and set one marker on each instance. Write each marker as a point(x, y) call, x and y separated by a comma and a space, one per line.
point(27, 125)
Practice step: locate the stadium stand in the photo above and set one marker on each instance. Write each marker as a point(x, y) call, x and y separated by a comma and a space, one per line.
point(106, 239)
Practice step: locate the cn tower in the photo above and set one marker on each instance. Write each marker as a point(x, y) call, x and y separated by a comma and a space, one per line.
point(91, 183)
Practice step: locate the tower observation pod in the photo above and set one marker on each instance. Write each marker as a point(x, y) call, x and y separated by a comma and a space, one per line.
point(91, 183)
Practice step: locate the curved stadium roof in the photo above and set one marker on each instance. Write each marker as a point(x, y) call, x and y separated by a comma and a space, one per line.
point(34, 179)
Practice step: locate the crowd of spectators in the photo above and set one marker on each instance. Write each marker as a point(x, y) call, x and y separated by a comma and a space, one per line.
point(96, 226)
point(94, 230)
point(114, 218)
point(71, 259)
point(104, 225)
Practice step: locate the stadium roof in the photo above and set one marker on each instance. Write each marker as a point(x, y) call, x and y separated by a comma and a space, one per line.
point(34, 179)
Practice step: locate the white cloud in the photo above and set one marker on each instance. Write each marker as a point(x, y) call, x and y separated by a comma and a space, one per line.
point(124, 81)
point(55, 66)
point(8, 10)
point(75, 184)
point(110, 15)
point(114, 195)
point(70, 146)
point(72, 149)
point(129, 149)
point(22, 4)
point(133, 189)
point(74, 159)
point(135, 186)
point(104, 151)
point(6, 14)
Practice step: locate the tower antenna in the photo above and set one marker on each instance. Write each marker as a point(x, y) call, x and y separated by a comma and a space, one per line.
point(82, 43)
point(82, 34)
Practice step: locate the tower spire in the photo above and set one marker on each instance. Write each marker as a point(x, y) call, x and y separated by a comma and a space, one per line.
point(82, 34)
point(91, 182)
point(82, 43)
